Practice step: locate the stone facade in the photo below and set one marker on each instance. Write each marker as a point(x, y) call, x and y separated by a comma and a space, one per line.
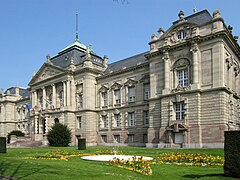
point(183, 92)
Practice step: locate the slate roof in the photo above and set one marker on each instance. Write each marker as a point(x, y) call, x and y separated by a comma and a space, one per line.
point(75, 51)
point(126, 63)
point(198, 18)
point(25, 93)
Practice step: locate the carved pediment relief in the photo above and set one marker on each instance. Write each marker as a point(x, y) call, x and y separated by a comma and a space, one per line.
point(130, 83)
point(180, 33)
point(45, 72)
point(181, 63)
point(103, 89)
point(176, 127)
point(116, 86)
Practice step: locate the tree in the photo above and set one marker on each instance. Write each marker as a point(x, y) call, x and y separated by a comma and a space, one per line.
point(59, 135)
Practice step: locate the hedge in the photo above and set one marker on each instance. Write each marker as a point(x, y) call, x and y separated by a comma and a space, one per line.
point(232, 153)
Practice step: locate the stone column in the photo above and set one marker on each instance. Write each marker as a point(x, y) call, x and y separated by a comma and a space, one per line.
point(68, 98)
point(64, 93)
point(46, 125)
point(35, 98)
point(73, 93)
point(36, 125)
point(44, 98)
point(194, 50)
point(166, 73)
point(54, 104)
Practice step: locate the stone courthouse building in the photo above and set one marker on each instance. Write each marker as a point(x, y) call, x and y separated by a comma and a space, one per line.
point(183, 92)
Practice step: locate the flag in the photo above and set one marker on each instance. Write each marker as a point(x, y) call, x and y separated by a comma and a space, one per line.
point(28, 107)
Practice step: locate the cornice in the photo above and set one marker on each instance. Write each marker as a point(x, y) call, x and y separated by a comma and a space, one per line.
point(146, 64)
point(224, 34)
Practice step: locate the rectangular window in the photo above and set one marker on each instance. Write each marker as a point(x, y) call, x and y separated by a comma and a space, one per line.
point(118, 120)
point(145, 117)
point(131, 119)
point(146, 91)
point(182, 78)
point(105, 121)
point(117, 96)
point(131, 138)
point(104, 138)
point(179, 109)
point(79, 121)
point(131, 94)
point(117, 138)
point(104, 99)
point(81, 101)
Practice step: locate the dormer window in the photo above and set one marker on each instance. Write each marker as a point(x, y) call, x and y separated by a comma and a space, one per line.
point(181, 35)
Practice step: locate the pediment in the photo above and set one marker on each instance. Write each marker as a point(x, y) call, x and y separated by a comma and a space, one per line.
point(103, 89)
point(47, 71)
point(187, 27)
point(116, 86)
point(130, 83)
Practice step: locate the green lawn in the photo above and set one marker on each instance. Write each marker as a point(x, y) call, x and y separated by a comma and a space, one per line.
point(14, 163)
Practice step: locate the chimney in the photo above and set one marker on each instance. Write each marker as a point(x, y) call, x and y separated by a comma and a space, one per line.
point(17, 91)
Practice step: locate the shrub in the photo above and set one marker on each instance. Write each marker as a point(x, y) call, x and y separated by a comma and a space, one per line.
point(232, 155)
point(15, 132)
point(59, 135)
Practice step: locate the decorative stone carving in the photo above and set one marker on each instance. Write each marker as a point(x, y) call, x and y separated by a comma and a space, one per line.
point(194, 47)
point(236, 69)
point(181, 63)
point(229, 61)
point(47, 73)
point(216, 14)
point(181, 89)
point(71, 67)
point(116, 86)
point(130, 83)
point(79, 89)
point(165, 55)
point(116, 111)
point(103, 89)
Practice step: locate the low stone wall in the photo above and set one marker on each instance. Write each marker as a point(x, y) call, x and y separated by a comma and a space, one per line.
point(15, 138)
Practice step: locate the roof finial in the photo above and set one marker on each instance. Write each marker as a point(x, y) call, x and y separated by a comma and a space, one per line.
point(77, 26)
point(195, 7)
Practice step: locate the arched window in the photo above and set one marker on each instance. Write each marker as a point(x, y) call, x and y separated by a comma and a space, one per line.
point(56, 120)
point(181, 73)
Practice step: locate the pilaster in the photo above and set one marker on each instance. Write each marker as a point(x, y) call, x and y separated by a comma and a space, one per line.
point(68, 93)
point(166, 73)
point(44, 98)
point(54, 97)
point(195, 50)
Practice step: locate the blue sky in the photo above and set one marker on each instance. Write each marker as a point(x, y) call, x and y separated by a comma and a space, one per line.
point(31, 29)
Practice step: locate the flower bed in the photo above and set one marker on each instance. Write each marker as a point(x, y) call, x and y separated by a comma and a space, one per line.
point(58, 155)
point(136, 164)
point(190, 159)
